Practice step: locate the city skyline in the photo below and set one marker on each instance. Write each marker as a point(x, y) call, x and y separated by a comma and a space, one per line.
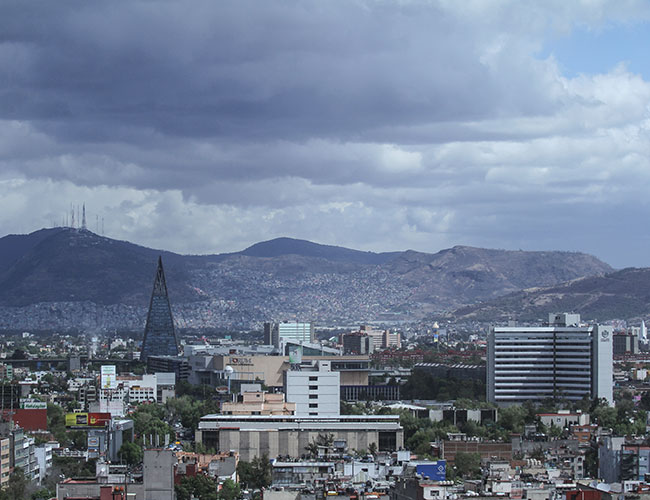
point(371, 125)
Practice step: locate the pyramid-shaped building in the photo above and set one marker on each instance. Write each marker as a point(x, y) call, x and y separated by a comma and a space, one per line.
point(159, 332)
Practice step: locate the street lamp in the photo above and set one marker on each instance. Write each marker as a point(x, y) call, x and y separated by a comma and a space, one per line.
point(229, 370)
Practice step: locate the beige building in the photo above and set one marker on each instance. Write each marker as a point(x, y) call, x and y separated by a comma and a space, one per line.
point(211, 369)
point(259, 403)
point(254, 436)
point(5, 462)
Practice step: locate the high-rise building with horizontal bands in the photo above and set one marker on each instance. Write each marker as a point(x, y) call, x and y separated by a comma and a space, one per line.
point(563, 360)
point(159, 333)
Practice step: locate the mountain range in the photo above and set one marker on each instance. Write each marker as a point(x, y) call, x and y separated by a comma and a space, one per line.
point(65, 278)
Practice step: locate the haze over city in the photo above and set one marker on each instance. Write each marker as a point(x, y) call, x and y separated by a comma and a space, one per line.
point(207, 127)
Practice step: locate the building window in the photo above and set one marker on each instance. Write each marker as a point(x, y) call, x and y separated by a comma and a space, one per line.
point(313, 396)
point(313, 379)
point(313, 405)
point(313, 387)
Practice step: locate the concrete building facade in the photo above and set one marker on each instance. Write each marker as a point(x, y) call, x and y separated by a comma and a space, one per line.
point(314, 389)
point(255, 436)
point(259, 403)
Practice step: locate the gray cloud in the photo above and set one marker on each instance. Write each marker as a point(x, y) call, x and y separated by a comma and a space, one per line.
point(207, 126)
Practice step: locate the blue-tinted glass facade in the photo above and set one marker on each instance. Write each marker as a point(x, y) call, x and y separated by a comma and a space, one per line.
point(159, 333)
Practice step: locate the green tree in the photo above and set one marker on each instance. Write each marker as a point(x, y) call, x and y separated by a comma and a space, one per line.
point(149, 419)
point(555, 431)
point(604, 416)
point(199, 486)
point(56, 422)
point(312, 449)
point(43, 494)
point(325, 439)
point(644, 404)
point(189, 410)
point(420, 442)
point(468, 465)
point(131, 453)
point(17, 484)
point(78, 439)
point(255, 474)
point(512, 418)
point(229, 490)
point(72, 467)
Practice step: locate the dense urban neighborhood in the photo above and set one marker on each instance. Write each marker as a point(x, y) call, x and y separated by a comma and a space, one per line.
point(287, 413)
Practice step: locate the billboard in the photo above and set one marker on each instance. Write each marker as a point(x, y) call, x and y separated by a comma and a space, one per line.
point(83, 419)
point(98, 419)
point(435, 471)
point(295, 354)
point(33, 404)
point(76, 419)
point(108, 377)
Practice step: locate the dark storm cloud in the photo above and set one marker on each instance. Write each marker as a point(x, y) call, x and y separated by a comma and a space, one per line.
point(129, 86)
point(245, 70)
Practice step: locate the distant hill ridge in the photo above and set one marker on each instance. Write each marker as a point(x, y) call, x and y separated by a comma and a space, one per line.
point(280, 278)
point(290, 246)
point(623, 294)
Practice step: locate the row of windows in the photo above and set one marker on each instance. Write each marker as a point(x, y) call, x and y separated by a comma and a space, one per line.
point(544, 353)
point(523, 368)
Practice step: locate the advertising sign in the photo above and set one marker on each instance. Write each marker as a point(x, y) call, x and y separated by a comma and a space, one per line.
point(295, 355)
point(108, 377)
point(241, 361)
point(33, 404)
point(436, 471)
point(87, 419)
point(76, 419)
point(98, 419)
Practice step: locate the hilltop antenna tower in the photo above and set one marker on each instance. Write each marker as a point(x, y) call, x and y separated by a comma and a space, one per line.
point(83, 220)
point(72, 216)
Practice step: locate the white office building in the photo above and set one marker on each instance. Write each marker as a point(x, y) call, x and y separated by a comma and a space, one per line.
point(314, 388)
point(300, 332)
point(564, 359)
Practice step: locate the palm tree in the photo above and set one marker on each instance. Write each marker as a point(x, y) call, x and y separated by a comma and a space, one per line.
point(312, 449)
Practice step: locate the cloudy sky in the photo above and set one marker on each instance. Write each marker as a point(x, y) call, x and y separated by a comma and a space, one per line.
point(206, 126)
